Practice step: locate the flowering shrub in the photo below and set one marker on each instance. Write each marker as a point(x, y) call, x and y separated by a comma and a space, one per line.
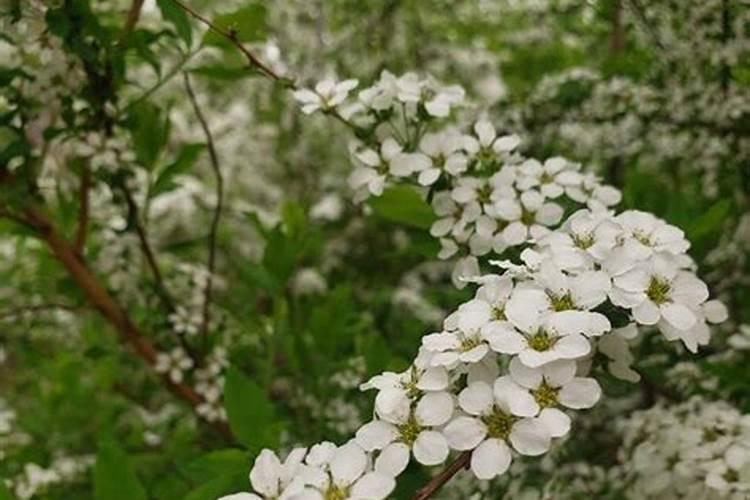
point(218, 256)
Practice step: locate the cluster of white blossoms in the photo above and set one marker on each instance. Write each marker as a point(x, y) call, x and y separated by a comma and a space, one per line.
point(697, 450)
point(35, 479)
point(508, 367)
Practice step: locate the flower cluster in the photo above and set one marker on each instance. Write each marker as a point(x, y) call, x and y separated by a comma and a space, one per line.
point(697, 450)
point(509, 365)
point(502, 376)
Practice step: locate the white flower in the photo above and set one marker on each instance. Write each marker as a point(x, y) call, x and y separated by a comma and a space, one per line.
point(444, 151)
point(497, 416)
point(271, 479)
point(374, 167)
point(586, 237)
point(397, 389)
point(327, 95)
point(173, 364)
point(443, 99)
point(551, 179)
point(656, 290)
point(527, 217)
point(487, 142)
point(346, 476)
point(410, 430)
point(555, 384)
point(645, 234)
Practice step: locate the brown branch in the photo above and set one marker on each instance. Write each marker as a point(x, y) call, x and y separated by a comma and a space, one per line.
point(147, 250)
point(134, 13)
point(437, 482)
point(84, 193)
point(213, 232)
point(231, 36)
point(108, 307)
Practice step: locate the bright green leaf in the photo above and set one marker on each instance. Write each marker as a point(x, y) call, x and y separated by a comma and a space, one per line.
point(218, 463)
point(185, 160)
point(404, 205)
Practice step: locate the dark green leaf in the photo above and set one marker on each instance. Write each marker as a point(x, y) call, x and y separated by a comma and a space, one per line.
point(218, 463)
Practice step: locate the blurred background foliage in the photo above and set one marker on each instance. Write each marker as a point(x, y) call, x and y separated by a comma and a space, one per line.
point(314, 294)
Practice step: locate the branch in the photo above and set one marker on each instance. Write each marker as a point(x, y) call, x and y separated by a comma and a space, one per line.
point(437, 482)
point(213, 233)
point(146, 249)
point(133, 15)
point(83, 210)
point(108, 307)
point(231, 35)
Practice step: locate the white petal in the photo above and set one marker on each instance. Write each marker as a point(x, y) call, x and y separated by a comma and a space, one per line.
point(266, 473)
point(514, 398)
point(715, 311)
point(464, 433)
point(241, 496)
point(476, 399)
point(431, 448)
point(389, 399)
point(435, 408)
point(376, 435)
point(647, 313)
point(348, 464)
point(490, 459)
point(678, 315)
point(556, 422)
point(523, 375)
point(372, 486)
point(530, 437)
point(393, 459)
point(580, 393)
point(433, 379)
point(503, 338)
point(572, 346)
point(559, 373)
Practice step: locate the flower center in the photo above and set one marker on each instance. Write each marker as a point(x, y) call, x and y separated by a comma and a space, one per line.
point(484, 193)
point(528, 218)
point(583, 241)
point(546, 178)
point(499, 423)
point(546, 395)
point(541, 341)
point(470, 342)
point(409, 431)
point(642, 237)
point(336, 493)
point(498, 314)
point(658, 290)
point(562, 302)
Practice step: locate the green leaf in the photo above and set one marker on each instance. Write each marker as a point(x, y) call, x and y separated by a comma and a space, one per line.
point(178, 17)
point(114, 476)
point(710, 221)
point(218, 463)
point(251, 415)
point(185, 160)
point(217, 487)
point(248, 25)
point(4, 492)
point(149, 128)
point(403, 205)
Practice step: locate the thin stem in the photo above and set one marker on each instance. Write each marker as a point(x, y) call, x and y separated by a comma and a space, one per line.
point(162, 81)
point(214, 230)
point(231, 35)
point(146, 249)
point(437, 482)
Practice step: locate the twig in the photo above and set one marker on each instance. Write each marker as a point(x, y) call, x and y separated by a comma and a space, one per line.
point(437, 482)
point(133, 15)
point(147, 250)
point(231, 35)
point(108, 307)
point(213, 233)
point(83, 210)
